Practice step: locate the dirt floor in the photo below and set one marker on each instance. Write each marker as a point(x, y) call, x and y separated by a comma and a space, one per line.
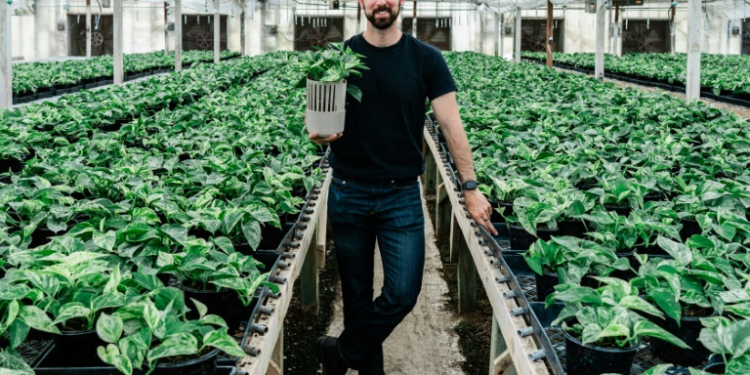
point(301, 330)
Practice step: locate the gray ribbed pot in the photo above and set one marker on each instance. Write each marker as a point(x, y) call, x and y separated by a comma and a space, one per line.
point(325, 112)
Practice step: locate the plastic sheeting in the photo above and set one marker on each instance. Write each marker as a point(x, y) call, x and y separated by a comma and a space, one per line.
point(227, 7)
point(21, 8)
point(728, 9)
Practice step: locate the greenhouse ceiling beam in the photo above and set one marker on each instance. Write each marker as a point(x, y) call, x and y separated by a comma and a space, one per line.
point(600, 18)
point(217, 32)
point(6, 63)
point(694, 51)
point(178, 35)
point(117, 40)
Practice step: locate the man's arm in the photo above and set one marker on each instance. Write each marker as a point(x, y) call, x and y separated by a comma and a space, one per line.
point(446, 114)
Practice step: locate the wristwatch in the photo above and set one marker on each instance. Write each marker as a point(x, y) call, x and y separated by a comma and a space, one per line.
point(470, 185)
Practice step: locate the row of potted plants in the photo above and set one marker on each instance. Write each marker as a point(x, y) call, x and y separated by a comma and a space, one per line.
point(184, 198)
point(40, 80)
point(78, 115)
point(630, 207)
point(720, 74)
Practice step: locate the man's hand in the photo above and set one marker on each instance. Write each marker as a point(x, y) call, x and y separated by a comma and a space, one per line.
point(480, 209)
point(315, 137)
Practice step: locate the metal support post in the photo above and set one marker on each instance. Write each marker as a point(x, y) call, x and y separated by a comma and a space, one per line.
point(693, 91)
point(498, 25)
point(497, 344)
point(550, 15)
point(430, 174)
point(217, 33)
point(467, 278)
point(672, 31)
point(242, 28)
point(178, 35)
point(118, 33)
point(600, 18)
point(517, 36)
point(6, 57)
point(166, 27)
point(88, 29)
point(616, 30)
point(414, 21)
point(309, 279)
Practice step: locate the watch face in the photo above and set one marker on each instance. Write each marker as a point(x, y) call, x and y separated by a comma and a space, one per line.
point(470, 185)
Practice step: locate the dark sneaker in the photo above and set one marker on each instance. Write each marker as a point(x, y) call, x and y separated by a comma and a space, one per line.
point(329, 356)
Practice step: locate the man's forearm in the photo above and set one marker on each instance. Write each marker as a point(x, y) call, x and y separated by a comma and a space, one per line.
point(447, 115)
point(458, 144)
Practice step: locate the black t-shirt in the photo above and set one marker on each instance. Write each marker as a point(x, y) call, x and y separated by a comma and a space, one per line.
point(383, 134)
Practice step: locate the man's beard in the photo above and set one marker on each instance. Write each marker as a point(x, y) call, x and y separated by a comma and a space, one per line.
point(382, 23)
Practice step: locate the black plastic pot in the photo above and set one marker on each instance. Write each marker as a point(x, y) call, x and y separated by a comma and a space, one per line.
point(224, 303)
point(595, 360)
point(496, 217)
point(715, 365)
point(690, 227)
point(688, 331)
point(573, 228)
point(76, 348)
point(13, 165)
point(628, 274)
point(41, 236)
point(545, 285)
point(520, 239)
point(203, 365)
point(620, 210)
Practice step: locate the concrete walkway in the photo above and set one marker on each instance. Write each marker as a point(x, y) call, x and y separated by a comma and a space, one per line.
point(424, 343)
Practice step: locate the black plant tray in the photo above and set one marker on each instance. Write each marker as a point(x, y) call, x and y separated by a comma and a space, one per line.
point(220, 370)
point(551, 339)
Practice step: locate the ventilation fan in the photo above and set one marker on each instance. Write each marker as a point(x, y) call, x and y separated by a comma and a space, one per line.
point(317, 32)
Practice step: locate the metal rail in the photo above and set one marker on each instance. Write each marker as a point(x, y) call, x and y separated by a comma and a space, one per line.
point(300, 255)
point(511, 312)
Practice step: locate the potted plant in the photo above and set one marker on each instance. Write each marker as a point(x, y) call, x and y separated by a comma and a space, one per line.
point(727, 340)
point(153, 335)
point(685, 293)
point(70, 292)
point(12, 363)
point(218, 277)
point(568, 260)
point(326, 72)
point(603, 327)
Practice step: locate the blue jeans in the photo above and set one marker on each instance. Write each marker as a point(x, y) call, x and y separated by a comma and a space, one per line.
point(359, 214)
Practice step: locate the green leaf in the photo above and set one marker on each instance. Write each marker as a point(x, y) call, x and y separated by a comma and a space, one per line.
point(105, 241)
point(354, 91)
point(678, 251)
point(220, 339)
point(176, 232)
point(646, 328)
point(638, 303)
point(35, 318)
point(111, 355)
point(176, 345)
point(109, 328)
point(202, 309)
point(71, 310)
point(251, 229)
point(614, 330)
point(580, 295)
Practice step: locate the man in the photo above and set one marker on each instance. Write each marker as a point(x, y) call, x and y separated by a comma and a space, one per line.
point(374, 193)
